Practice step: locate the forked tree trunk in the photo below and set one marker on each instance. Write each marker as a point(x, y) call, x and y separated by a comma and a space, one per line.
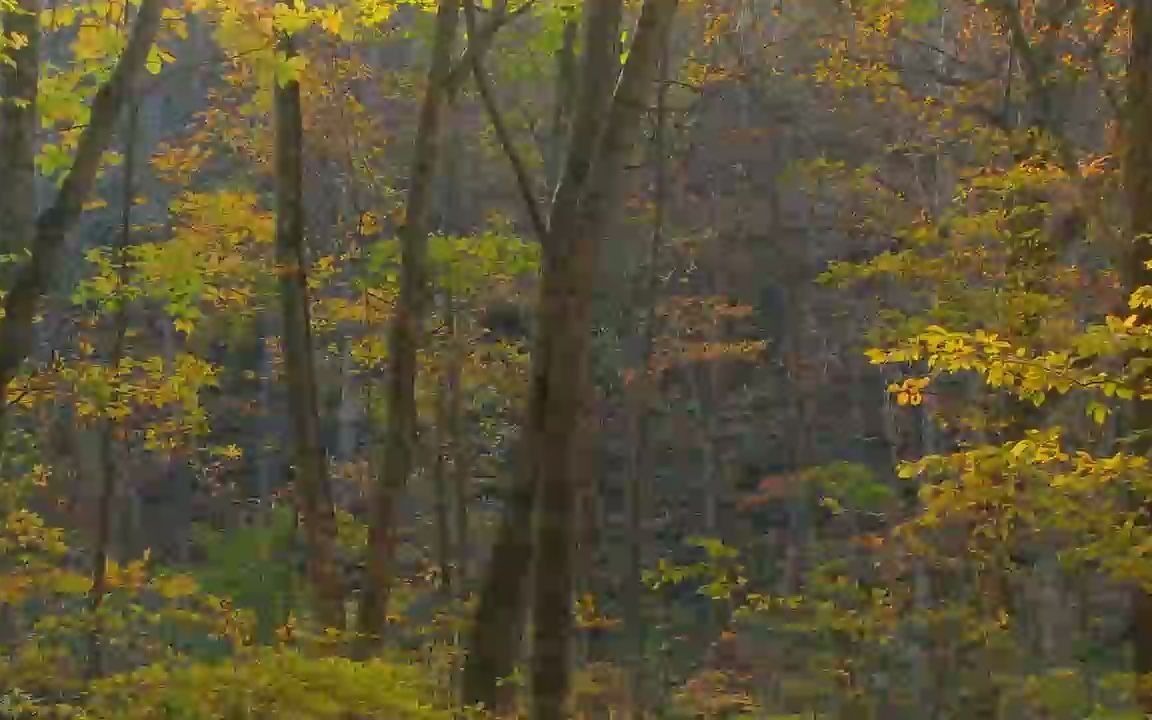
point(31, 280)
point(310, 480)
point(400, 435)
point(586, 200)
point(496, 634)
point(605, 125)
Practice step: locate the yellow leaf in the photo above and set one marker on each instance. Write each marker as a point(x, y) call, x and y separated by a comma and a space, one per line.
point(175, 586)
point(369, 224)
point(69, 583)
point(333, 21)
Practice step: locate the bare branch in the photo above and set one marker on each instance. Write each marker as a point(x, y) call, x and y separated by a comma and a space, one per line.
point(479, 43)
point(524, 180)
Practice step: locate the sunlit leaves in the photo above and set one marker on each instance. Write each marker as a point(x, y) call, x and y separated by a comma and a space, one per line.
point(289, 68)
point(910, 391)
point(291, 18)
point(1030, 375)
point(281, 682)
point(372, 13)
point(464, 265)
point(131, 393)
point(152, 616)
point(178, 163)
point(157, 59)
point(215, 256)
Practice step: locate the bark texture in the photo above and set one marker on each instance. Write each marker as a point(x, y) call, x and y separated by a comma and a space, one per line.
point(400, 435)
point(310, 479)
point(605, 123)
point(19, 82)
point(586, 200)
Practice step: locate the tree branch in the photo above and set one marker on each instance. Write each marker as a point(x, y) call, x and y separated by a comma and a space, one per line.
point(479, 43)
point(524, 181)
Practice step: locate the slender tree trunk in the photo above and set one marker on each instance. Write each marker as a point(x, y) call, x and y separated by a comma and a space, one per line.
point(444, 547)
point(461, 454)
point(1037, 66)
point(19, 82)
point(17, 326)
point(19, 85)
point(268, 465)
point(641, 462)
point(348, 408)
point(400, 435)
point(1138, 181)
point(312, 490)
point(582, 211)
point(105, 507)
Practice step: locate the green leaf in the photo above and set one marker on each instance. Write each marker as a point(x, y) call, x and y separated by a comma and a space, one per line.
point(154, 63)
point(289, 69)
point(921, 11)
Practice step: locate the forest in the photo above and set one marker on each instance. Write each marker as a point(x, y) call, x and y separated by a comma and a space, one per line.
point(576, 359)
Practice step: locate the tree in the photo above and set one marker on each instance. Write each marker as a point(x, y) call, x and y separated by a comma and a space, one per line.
point(407, 329)
point(612, 103)
point(19, 82)
point(1138, 185)
point(31, 281)
point(314, 496)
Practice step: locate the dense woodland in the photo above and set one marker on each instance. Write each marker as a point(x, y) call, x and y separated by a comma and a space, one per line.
point(430, 359)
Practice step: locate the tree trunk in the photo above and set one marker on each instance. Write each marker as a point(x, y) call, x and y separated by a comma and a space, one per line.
point(19, 83)
point(311, 483)
point(1138, 181)
point(400, 435)
point(496, 634)
point(458, 446)
point(17, 326)
point(641, 462)
point(586, 199)
point(603, 129)
point(496, 631)
point(19, 86)
point(105, 506)
point(444, 547)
